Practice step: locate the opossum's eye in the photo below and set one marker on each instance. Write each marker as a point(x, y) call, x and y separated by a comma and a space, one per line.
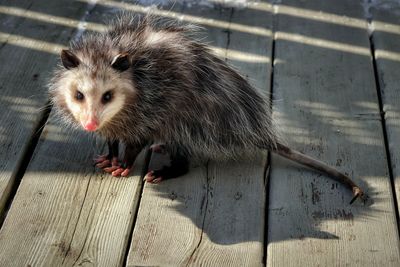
point(79, 96)
point(107, 96)
point(121, 62)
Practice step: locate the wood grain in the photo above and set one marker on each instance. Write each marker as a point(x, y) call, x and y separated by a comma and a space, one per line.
point(233, 232)
point(65, 212)
point(28, 51)
point(171, 214)
point(385, 38)
point(326, 104)
point(214, 215)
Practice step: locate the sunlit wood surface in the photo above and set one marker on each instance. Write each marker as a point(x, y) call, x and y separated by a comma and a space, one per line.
point(331, 69)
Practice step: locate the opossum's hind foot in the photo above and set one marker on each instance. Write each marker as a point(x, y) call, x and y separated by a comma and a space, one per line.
point(155, 177)
point(167, 172)
point(179, 165)
point(150, 177)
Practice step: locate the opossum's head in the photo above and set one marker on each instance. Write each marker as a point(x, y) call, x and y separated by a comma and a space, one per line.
point(93, 92)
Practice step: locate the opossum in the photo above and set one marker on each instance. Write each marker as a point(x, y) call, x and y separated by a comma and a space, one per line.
point(149, 80)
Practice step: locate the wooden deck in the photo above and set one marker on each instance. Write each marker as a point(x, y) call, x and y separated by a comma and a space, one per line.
point(332, 68)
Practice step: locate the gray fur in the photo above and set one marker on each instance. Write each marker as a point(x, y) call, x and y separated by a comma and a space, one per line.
point(185, 95)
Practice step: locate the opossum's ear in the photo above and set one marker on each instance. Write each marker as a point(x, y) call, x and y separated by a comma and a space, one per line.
point(121, 62)
point(69, 60)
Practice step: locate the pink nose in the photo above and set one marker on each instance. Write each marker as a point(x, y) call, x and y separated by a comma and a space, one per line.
point(91, 125)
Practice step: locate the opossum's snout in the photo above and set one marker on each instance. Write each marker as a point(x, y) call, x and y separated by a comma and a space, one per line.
point(91, 124)
point(92, 110)
point(85, 111)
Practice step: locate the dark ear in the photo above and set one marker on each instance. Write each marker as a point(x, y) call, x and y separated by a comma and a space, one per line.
point(69, 60)
point(121, 62)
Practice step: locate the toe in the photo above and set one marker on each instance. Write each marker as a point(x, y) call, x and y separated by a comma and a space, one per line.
point(103, 164)
point(125, 173)
point(111, 169)
point(149, 177)
point(117, 172)
point(100, 158)
point(157, 180)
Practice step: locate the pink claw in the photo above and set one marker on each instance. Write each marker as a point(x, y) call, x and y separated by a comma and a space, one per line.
point(150, 178)
point(111, 169)
point(157, 180)
point(115, 169)
point(125, 173)
point(117, 172)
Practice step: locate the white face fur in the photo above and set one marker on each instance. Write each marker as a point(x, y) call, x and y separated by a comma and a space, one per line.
point(94, 97)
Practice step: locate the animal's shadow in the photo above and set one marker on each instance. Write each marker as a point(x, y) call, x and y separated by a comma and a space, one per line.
point(252, 199)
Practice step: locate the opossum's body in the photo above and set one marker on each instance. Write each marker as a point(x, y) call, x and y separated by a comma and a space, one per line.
point(144, 80)
point(181, 93)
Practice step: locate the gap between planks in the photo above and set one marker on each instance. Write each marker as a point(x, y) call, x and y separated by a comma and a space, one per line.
point(228, 36)
point(21, 167)
point(384, 127)
point(30, 146)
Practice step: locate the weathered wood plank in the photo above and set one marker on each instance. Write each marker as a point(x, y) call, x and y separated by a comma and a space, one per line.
point(170, 218)
point(233, 232)
point(222, 224)
point(27, 54)
point(326, 105)
point(65, 212)
point(386, 39)
point(171, 214)
point(8, 24)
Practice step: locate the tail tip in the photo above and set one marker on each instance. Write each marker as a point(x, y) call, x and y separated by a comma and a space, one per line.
point(357, 193)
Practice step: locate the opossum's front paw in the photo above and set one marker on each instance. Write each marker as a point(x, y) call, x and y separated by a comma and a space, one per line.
point(153, 177)
point(104, 161)
point(111, 165)
point(119, 171)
